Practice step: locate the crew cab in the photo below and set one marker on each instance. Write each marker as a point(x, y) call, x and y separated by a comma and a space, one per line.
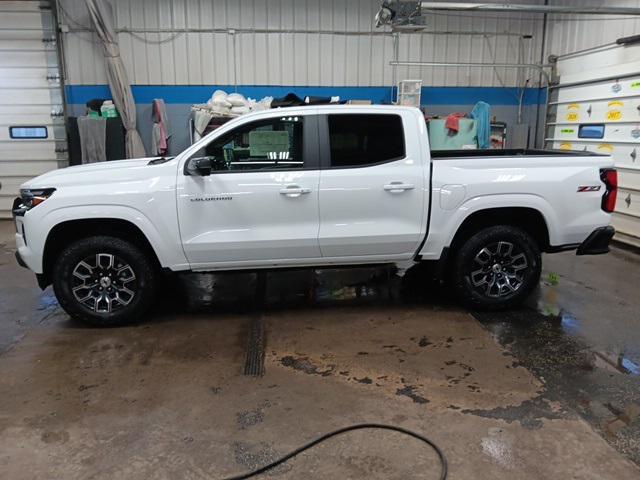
point(313, 186)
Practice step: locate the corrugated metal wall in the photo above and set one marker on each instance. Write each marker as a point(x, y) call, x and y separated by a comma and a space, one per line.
point(570, 33)
point(293, 42)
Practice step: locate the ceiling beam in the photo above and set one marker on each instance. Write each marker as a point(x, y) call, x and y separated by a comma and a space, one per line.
point(520, 8)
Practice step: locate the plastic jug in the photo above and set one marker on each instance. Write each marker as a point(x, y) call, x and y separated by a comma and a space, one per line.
point(108, 109)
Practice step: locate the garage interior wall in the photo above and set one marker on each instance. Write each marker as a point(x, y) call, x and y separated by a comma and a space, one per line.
point(572, 33)
point(182, 50)
point(272, 47)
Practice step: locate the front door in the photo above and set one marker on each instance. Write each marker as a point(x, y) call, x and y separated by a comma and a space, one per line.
point(259, 204)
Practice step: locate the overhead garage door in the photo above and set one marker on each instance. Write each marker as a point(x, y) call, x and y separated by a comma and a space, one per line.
point(32, 139)
point(596, 107)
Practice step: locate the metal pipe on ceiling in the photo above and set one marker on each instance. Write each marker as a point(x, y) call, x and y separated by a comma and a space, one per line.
point(519, 8)
point(365, 33)
point(535, 66)
point(586, 51)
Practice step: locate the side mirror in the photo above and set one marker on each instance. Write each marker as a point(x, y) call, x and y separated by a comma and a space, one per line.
point(200, 166)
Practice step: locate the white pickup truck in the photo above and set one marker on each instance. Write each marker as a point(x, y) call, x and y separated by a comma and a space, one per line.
point(310, 187)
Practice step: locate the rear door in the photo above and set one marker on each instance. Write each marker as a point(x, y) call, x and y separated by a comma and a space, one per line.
point(372, 184)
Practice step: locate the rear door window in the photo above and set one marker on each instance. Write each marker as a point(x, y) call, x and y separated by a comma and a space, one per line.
point(359, 140)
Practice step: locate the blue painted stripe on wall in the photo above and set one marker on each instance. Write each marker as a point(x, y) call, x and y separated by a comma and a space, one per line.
point(80, 94)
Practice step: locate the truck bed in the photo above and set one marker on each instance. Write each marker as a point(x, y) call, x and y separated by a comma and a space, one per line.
point(510, 152)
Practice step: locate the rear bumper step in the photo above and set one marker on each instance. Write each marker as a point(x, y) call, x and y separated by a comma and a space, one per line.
point(598, 242)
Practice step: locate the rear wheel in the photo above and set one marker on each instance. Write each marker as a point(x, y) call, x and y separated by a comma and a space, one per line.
point(104, 281)
point(497, 268)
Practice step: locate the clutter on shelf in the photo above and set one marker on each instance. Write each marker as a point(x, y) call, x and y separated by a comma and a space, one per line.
point(223, 106)
point(222, 103)
point(498, 134)
point(460, 131)
point(97, 136)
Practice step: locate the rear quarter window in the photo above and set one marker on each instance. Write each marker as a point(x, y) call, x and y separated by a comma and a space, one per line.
point(358, 140)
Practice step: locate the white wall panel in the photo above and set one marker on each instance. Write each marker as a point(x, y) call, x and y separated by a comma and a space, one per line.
point(327, 42)
point(570, 33)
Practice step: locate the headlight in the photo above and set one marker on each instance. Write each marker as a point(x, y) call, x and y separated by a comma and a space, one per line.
point(33, 197)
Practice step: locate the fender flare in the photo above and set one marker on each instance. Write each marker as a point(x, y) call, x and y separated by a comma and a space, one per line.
point(442, 235)
point(129, 214)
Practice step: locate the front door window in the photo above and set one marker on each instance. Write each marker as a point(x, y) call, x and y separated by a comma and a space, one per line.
point(272, 144)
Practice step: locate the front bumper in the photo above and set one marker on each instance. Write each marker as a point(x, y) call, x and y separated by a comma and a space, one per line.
point(25, 254)
point(598, 242)
point(43, 282)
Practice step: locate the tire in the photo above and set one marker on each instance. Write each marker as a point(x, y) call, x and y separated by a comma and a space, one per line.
point(496, 269)
point(104, 281)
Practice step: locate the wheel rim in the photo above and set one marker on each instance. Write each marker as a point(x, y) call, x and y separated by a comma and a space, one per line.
point(498, 269)
point(104, 283)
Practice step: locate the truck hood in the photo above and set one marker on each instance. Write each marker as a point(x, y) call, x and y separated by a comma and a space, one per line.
point(98, 172)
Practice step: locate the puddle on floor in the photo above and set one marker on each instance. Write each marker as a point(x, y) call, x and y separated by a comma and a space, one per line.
point(616, 363)
point(616, 359)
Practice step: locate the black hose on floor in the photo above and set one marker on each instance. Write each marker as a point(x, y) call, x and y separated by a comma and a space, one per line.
point(326, 436)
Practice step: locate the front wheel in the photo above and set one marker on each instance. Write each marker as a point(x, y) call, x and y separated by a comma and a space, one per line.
point(104, 281)
point(497, 268)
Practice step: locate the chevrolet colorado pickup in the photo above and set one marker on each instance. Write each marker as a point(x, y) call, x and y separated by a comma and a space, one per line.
point(310, 187)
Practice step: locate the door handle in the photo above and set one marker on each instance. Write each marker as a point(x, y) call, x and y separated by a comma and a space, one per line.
point(398, 187)
point(294, 191)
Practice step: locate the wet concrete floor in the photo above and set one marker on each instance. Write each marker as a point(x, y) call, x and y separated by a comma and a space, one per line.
point(548, 391)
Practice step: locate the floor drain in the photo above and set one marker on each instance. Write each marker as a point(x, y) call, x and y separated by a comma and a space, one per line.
point(254, 363)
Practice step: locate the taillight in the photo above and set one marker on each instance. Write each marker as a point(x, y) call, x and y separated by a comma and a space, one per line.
point(610, 178)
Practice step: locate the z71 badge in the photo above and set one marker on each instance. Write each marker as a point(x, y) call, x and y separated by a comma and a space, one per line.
point(589, 188)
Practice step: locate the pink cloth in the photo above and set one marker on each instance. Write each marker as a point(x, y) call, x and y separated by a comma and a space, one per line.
point(160, 120)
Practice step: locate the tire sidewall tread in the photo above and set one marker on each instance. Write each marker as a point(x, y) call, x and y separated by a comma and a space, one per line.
point(143, 267)
point(469, 249)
